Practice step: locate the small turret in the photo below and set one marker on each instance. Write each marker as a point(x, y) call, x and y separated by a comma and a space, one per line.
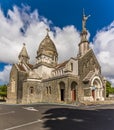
point(23, 56)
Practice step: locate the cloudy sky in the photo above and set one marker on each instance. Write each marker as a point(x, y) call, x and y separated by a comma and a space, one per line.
point(25, 21)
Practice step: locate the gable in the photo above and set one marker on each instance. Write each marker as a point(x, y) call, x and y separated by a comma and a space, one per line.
point(72, 65)
point(90, 57)
point(88, 63)
point(61, 65)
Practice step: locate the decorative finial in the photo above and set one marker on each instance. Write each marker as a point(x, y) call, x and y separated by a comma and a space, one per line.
point(24, 44)
point(47, 29)
point(84, 19)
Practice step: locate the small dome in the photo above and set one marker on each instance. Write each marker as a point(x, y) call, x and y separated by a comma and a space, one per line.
point(47, 47)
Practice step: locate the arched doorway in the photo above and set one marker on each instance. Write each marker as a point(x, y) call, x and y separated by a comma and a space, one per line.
point(73, 91)
point(97, 89)
point(62, 91)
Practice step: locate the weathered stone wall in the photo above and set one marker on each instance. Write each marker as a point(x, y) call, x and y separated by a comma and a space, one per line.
point(49, 90)
point(21, 77)
point(14, 91)
point(12, 95)
point(55, 89)
point(36, 95)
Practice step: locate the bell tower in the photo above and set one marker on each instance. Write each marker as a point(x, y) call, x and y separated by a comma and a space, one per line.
point(84, 44)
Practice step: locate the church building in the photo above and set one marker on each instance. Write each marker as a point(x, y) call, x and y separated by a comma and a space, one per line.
point(76, 80)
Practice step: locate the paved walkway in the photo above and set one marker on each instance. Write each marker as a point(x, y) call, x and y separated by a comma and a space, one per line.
point(99, 102)
point(75, 104)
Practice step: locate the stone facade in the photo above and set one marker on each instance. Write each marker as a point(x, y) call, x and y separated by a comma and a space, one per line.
point(76, 80)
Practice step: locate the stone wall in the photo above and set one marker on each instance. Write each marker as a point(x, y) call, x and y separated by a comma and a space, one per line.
point(32, 92)
point(12, 86)
point(21, 77)
point(49, 90)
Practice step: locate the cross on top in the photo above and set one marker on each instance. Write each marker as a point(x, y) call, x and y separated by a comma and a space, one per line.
point(24, 44)
point(47, 29)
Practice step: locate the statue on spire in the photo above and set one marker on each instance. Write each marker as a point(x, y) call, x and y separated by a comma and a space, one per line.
point(84, 19)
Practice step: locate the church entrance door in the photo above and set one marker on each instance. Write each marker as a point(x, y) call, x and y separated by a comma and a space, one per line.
point(73, 91)
point(62, 91)
point(93, 94)
point(62, 94)
point(97, 88)
point(73, 95)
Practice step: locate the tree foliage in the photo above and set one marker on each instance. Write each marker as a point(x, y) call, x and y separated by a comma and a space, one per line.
point(3, 91)
point(109, 89)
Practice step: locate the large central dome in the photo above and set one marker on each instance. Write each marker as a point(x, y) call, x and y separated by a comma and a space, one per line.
point(47, 47)
point(47, 54)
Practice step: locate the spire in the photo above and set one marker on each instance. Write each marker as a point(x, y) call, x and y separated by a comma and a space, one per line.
point(23, 56)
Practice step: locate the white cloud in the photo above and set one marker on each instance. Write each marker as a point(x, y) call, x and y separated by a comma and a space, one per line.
point(4, 75)
point(33, 27)
point(67, 40)
point(104, 49)
point(23, 26)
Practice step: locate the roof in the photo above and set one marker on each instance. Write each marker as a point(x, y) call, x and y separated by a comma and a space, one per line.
point(61, 65)
point(22, 67)
point(88, 76)
point(30, 66)
point(47, 46)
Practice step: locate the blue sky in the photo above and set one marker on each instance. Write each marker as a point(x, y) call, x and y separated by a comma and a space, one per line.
point(69, 12)
point(65, 17)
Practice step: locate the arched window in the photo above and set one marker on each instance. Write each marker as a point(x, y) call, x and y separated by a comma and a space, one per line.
point(49, 89)
point(71, 66)
point(62, 91)
point(31, 90)
point(87, 64)
point(84, 68)
point(73, 90)
point(62, 71)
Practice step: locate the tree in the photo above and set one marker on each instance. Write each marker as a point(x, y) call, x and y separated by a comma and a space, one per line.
point(3, 91)
point(109, 89)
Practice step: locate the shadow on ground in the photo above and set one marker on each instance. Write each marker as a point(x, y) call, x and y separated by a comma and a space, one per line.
point(75, 119)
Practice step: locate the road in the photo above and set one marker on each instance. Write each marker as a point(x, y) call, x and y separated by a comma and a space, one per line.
point(56, 117)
